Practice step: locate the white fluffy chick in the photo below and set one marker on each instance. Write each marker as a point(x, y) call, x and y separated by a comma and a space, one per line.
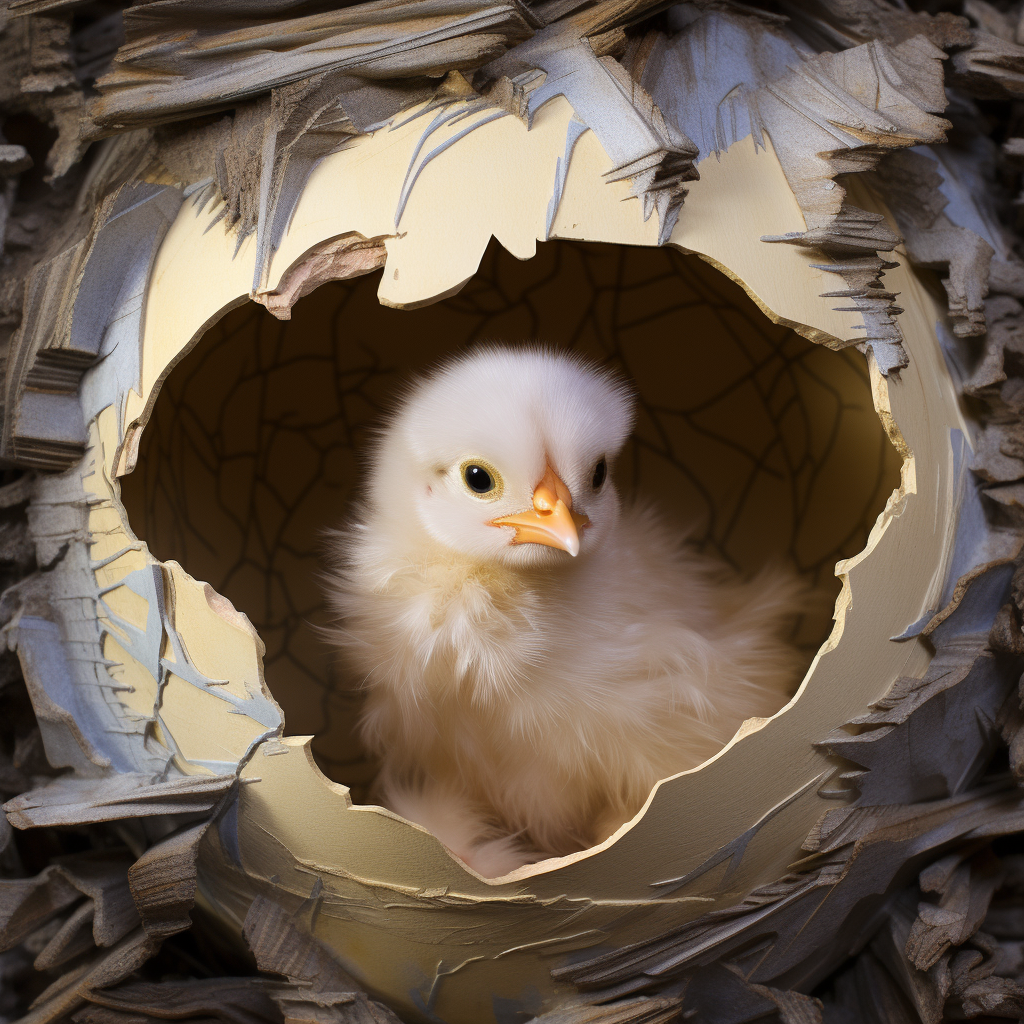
point(536, 657)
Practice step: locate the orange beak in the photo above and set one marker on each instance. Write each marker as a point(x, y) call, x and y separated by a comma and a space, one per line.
point(551, 521)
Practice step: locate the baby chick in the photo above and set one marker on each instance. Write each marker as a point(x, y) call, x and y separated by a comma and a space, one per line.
point(536, 656)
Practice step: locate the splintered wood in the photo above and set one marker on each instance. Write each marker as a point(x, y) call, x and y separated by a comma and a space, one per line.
point(104, 913)
point(75, 801)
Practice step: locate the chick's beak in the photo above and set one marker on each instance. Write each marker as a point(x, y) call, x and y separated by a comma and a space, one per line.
point(551, 521)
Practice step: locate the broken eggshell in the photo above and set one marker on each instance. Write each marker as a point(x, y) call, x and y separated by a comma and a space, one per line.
point(179, 670)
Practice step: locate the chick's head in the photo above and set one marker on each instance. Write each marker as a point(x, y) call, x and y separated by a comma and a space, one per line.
point(507, 455)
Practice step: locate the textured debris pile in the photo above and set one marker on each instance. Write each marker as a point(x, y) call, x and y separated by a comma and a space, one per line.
point(914, 888)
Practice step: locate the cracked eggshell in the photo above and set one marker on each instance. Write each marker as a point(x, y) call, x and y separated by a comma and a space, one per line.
point(179, 671)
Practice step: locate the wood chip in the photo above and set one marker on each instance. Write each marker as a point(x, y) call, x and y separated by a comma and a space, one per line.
point(187, 58)
point(227, 1000)
point(70, 800)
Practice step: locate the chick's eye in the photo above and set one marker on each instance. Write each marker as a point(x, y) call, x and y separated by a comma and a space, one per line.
point(600, 472)
point(478, 480)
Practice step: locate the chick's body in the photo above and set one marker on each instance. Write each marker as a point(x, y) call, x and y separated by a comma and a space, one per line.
point(524, 702)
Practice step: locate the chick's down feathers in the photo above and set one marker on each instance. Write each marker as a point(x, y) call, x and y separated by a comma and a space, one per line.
point(524, 702)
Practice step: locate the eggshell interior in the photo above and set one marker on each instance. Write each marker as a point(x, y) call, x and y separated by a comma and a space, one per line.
point(761, 445)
